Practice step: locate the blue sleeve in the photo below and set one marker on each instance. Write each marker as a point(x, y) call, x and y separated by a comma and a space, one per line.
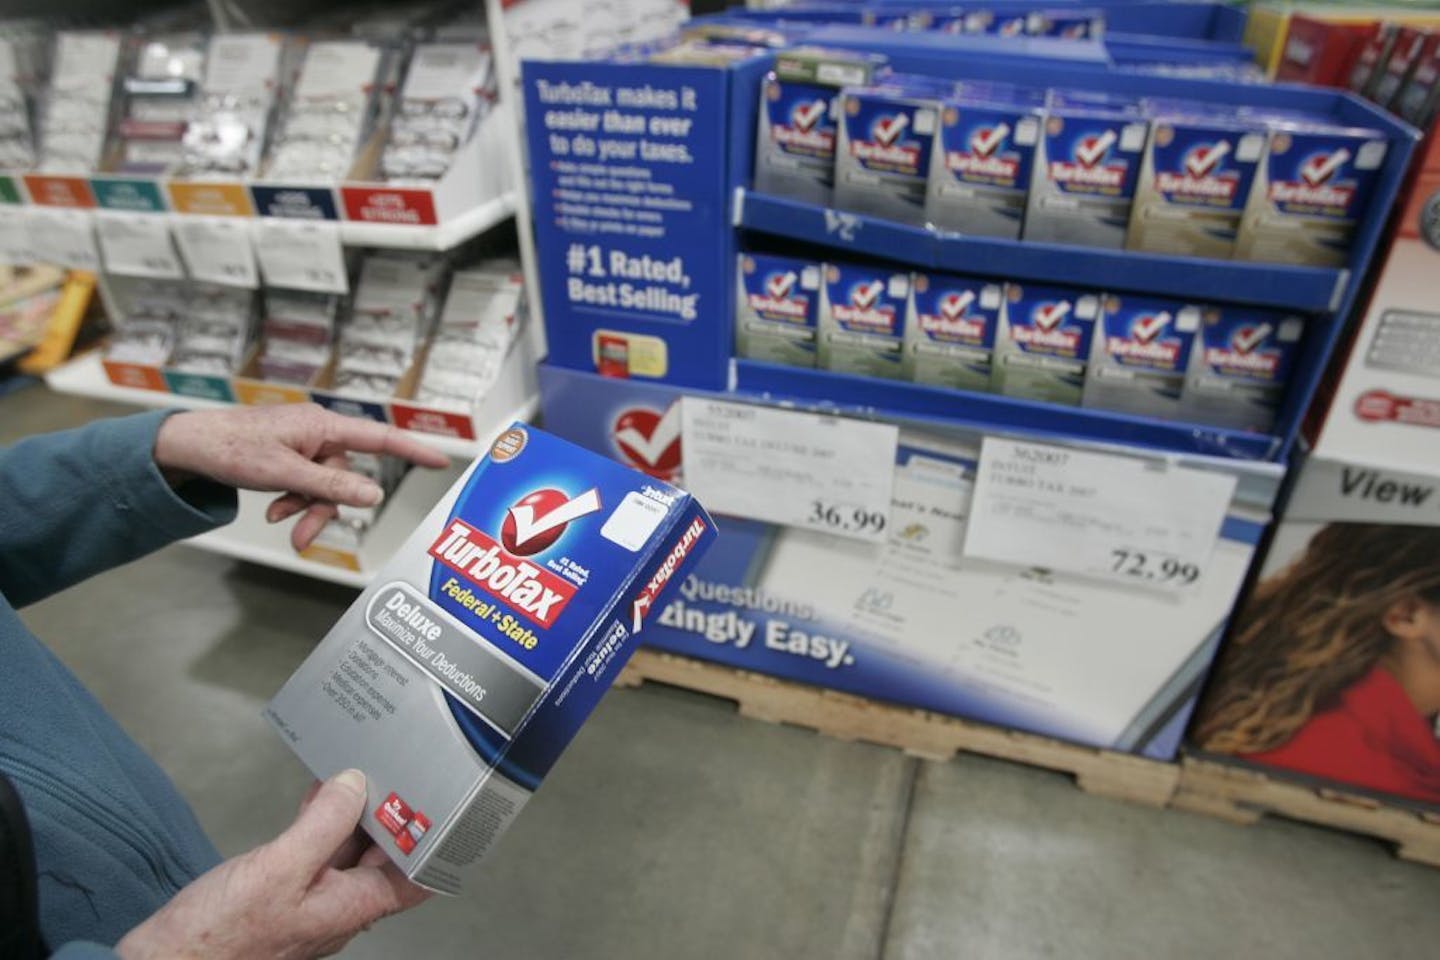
point(75, 503)
point(79, 950)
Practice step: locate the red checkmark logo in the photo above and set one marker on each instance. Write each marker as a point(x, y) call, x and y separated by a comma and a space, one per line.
point(1202, 160)
point(1323, 166)
point(538, 519)
point(805, 115)
point(986, 140)
point(1246, 339)
point(650, 441)
point(864, 295)
point(1092, 149)
point(887, 129)
point(1048, 315)
point(780, 284)
point(1148, 327)
point(953, 305)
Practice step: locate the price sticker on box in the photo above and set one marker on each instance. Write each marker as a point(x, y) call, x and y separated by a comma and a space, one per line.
point(138, 245)
point(791, 468)
point(63, 237)
point(217, 250)
point(1115, 517)
point(301, 254)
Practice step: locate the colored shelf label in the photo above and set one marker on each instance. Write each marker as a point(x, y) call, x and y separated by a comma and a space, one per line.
point(59, 191)
point(216, 199)
point(295, 203)
point(140, 196)
point(413, 208)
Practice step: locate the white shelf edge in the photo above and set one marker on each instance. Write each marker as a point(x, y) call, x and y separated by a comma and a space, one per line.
point(85, 377)
point(445, 236)
point(227, 543)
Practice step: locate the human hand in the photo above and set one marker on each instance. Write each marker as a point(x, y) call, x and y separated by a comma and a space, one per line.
point(304, 894)
point(297, 450)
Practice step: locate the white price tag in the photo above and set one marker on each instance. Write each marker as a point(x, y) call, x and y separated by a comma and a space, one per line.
point(242, 61)
point(217, 250)
point(1103, 515)
point(337, 68)
point(138, 245)
point(791, 468)
point(301, 254)
point(15, 247)
point(63, 237)
point(439, 70)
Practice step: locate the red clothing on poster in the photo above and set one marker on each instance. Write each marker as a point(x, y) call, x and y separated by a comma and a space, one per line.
point(1374, 739)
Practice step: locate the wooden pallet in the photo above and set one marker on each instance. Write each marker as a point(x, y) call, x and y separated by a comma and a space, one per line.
point(920, 733)
point(1244, 795)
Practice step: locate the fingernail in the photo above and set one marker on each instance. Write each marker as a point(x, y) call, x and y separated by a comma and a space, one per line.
point(351, 779)
point(376, 494)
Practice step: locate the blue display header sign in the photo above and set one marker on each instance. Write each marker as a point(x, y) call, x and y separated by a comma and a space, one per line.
point(632, 191)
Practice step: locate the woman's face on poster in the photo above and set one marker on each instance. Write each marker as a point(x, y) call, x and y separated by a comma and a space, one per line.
point(1416, 622)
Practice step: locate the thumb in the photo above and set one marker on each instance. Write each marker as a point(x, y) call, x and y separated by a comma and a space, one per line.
point(325, 824)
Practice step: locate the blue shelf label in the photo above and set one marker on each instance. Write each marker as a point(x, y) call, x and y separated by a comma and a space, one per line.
point(351, 407)
point(295, 203)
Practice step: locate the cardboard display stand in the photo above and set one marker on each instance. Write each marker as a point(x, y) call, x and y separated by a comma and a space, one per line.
point(910, 620)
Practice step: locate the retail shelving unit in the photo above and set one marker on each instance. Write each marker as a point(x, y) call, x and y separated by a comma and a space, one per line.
point(251, 538)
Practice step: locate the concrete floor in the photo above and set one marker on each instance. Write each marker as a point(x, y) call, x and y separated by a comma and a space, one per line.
point(675, 828)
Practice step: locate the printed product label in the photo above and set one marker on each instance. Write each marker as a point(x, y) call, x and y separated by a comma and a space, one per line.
point(883, 161)
point(889, 136)
point(1195, 183)
point(1085, 157)
point(1239, 367)
point(951, 331)
point(982, 168)
point(1085, 180)
point(779, 302)
point(1317, 176)
point(1312, 191)
point(1141, 354)
point(863, 320)
point(1044, 343)
point(9, 192)
point(1238, 345)
point(795, 145)
point(799, 119)
point(1203, 167)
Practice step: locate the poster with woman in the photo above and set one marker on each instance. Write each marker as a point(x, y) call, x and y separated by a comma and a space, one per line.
point(1332, 665)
